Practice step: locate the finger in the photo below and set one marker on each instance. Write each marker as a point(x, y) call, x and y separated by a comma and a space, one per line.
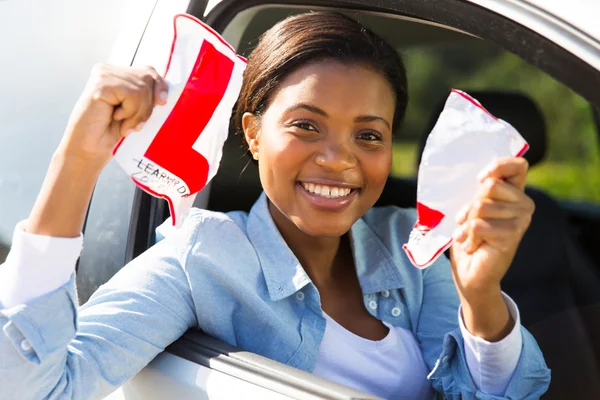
point(139, 77)
point(496, 189)
point(151, 86)
point(123, 95)
point(503, 234)
point(496, 209)
point(460, 233)
point(510, 169)
point(112, 90)
point(146, 85)
point(161, 90)
point(461, 215)
point(142, 102)
point(473, 238)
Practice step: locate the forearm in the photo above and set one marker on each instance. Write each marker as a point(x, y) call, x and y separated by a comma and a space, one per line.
point(62, 203)
point(486, 315)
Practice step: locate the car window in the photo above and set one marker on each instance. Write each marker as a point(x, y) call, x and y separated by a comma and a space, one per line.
point(573, 150)
point(43, 73)
point(555, 276)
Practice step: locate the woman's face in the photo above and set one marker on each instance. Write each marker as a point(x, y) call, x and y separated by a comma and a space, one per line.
point(324, 145)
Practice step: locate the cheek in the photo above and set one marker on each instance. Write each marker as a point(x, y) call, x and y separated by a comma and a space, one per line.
point(377, 167)
point(281, 157)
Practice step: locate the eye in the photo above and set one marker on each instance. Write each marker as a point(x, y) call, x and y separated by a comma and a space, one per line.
point(370, 136)
point(304, 125)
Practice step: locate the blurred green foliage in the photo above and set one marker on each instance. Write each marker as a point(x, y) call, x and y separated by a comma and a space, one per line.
point(571, 169)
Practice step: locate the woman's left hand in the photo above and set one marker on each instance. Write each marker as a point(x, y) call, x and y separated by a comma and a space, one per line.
point(490, 230)
point(491, 226)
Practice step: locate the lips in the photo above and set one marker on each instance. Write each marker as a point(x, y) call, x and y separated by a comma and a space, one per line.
point(328, 195)
point(327, 191)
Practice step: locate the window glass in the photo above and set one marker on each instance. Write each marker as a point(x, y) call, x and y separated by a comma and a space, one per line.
point(571, 167)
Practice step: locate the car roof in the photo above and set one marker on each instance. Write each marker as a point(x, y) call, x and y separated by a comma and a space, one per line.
point(582, 14)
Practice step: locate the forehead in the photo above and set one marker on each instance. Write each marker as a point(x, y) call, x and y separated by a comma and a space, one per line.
point(337, 88)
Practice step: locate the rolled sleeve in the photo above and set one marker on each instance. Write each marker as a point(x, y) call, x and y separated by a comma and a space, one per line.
point(50, 348)
point(450, 375)
point(40, 329)
point(493, 363)
point(36, 265)
point(443, 344)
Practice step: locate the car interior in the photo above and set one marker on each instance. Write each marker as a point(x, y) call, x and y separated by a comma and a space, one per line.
point(555, 277)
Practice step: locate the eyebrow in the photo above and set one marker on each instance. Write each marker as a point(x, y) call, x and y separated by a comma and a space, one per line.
point(317, 110)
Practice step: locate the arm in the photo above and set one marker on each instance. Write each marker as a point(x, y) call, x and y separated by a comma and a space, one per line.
point(490, 229)
point(42, 351)
point(50, 350)
point(115, 102)
point(460, 361)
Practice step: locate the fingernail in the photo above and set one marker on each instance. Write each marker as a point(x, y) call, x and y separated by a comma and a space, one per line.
point(163, 96)
point(465, 245)
point(481, 176)
point(140, 126)
point(460, 216)
point(458, 232)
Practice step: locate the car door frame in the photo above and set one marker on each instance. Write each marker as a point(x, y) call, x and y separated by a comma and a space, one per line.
point(139, 214)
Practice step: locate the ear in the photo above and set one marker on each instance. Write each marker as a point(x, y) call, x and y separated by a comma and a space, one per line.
point(251, 127)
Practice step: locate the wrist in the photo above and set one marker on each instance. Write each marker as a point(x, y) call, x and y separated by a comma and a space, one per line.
point(61, 205)
point(85, 165)
point(486, 315)
point(477, 297)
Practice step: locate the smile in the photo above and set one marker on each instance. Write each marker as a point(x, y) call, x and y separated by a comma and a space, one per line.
point(328, 197)
point(329, 192)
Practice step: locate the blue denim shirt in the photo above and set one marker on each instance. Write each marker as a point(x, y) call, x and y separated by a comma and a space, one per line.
point(233, 276)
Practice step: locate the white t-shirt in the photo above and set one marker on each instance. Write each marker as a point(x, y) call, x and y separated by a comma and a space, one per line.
point(392, 368)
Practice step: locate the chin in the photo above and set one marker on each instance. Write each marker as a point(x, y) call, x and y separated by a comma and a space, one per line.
point(324, 228)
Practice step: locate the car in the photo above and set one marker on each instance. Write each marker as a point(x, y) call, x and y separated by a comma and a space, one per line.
point(534, 63)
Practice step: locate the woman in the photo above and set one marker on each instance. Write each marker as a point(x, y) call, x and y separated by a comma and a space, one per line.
point(312, 276)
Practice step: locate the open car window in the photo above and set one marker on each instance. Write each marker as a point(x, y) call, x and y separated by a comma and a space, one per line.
point(557, 294)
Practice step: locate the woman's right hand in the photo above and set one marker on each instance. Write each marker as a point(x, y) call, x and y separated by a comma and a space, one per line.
point(115, 102)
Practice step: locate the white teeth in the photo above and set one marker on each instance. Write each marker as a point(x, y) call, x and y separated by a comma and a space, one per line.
point(329, 192)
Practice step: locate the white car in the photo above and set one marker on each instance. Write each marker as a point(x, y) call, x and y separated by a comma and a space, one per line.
point(555, 277)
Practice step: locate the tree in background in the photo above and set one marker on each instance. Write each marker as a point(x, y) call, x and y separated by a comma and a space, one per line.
point(572, 165)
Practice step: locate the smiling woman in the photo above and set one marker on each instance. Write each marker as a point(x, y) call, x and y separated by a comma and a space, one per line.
point(319, 130)
point(313, 276)
point(319, 117)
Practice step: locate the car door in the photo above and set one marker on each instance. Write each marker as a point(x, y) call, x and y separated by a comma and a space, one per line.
point(122, 219)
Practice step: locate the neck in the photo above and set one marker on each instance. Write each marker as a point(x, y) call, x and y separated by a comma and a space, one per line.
point(318, 255)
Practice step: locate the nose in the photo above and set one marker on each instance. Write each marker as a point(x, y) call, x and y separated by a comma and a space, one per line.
point(335, 157)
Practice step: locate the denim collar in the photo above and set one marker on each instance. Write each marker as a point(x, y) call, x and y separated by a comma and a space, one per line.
point(285, 276)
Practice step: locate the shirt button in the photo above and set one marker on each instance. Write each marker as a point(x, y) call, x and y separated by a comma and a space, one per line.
point(25, 345)
point(300, 296)
point(385, 293)
point(396, 311)
point(373, 305)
